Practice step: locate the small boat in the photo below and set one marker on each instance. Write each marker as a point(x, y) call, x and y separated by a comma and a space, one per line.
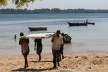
point(37, 28)
point(80, 24)
point(67, 38)
point(77, 24)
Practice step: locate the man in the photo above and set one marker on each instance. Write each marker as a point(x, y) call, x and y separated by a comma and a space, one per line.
point(24, 42)
point(56, 44)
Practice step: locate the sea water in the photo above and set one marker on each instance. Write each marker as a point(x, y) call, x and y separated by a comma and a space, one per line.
point(84, 38)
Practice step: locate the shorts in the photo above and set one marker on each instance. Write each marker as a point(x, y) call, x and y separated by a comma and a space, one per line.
point(39, 50)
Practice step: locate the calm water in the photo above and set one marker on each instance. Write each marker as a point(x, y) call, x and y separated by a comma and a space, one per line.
point(90, 38)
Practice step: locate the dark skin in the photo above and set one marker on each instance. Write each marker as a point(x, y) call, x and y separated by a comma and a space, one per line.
point(26, 53)
point(26, 61)
point(25, 57)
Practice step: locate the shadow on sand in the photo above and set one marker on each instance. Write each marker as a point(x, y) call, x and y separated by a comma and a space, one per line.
point(31, 70)
point(41, 61)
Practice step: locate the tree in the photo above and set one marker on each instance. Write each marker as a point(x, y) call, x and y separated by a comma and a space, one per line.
point(18, 3)
point(3, 2)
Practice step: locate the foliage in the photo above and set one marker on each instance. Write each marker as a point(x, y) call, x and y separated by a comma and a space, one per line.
point(3, 2)
point(18, 3)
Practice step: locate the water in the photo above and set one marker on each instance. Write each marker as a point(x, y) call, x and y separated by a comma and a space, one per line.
point(87, 38)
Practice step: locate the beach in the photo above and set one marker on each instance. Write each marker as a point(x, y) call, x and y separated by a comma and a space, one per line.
point(73, 62)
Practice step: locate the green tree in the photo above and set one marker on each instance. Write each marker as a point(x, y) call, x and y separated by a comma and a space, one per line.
point(3, 2)
point(18, 3)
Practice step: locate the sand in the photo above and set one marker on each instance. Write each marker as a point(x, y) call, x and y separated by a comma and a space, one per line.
point(73, 62)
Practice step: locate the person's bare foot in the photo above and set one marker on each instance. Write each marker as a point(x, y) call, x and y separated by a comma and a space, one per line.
point(62, 57)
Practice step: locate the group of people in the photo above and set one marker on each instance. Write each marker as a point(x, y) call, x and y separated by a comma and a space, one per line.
point(57, 47)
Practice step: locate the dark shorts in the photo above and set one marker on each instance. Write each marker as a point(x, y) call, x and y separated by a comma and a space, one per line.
point(39, 50)
point(56, 55)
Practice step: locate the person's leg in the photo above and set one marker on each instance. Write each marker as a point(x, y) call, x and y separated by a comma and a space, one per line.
point(58, 56)
point(25, 58)
point(25, 61)
point(62, 54)
point(54, 58)
point(39, 51)
point(39, 56)
point(61, 51)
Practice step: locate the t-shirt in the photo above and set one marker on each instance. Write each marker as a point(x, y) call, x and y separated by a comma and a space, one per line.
point(57, 42)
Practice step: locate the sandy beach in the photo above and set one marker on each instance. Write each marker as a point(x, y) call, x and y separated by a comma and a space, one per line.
point(73, 62)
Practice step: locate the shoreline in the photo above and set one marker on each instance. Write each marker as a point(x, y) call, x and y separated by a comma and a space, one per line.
point(68, 48)
point(76, 62)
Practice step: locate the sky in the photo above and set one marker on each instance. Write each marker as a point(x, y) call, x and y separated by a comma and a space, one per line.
point(64, 4)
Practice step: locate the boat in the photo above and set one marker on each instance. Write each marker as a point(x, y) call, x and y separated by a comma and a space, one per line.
point(37, 28)
point(80, 24)
point(67, 38)
point(77, 24)
point(40, 35)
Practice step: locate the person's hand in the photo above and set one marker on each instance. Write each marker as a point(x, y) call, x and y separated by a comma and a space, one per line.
point(34, 48)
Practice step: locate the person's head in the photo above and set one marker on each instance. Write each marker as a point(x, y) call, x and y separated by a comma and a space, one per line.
point(62, 34)
point(58, 32)
point(21, 34)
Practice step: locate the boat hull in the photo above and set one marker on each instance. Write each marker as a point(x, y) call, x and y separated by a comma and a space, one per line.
point(37, 28)
point(80, 24)
point(77, 24)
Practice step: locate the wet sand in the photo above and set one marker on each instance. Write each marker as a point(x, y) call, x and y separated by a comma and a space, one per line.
point(73, 62)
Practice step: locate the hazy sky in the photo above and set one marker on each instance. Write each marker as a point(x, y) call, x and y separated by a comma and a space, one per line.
point(65, 4)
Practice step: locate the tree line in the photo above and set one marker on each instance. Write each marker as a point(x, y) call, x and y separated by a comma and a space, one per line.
point(50, 11)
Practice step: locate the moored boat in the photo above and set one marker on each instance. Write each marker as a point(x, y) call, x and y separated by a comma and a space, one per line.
point(37, 28)
point(80, 23)
point(77, 24)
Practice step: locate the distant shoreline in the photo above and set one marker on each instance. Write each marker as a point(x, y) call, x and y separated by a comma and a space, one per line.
point(51, 11)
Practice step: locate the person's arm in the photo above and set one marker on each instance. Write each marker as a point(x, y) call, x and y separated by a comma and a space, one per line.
point(20, 41)
point(53, 38)
point(61, 40)
point(41, 42)
point(35, 44)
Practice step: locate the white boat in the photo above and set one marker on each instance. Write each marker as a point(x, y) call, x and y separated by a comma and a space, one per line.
point(40, 35)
